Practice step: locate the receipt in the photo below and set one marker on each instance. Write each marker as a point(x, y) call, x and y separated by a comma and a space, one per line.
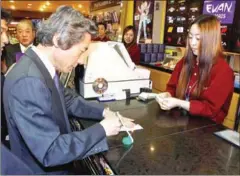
point(136, 127)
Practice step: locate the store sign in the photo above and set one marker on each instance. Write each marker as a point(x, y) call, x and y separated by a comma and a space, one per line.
point(224, 10)
point(99, 4)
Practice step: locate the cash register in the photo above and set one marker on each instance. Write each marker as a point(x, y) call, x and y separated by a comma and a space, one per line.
point(110, 71)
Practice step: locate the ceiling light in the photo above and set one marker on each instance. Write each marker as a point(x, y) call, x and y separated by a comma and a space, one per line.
point(29, 7)
point(48, 3)
point(152, 149)
point(44, 6)
point(12, 7)
point(29, 4)
point(80, 6)
point(11, 1)
point(41, 9)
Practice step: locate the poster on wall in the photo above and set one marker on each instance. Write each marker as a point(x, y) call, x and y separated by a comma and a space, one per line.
point(224, 10)
point(143, 20)
point(179, 15)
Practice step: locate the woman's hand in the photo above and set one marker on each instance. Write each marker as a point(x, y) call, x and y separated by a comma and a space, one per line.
point(164, 95)
point(170, 103)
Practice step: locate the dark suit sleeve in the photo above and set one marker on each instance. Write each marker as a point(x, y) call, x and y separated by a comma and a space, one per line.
point(12, 165)
point(30, 106)
point(4, 129)
point(11, 51)
point(79, 107)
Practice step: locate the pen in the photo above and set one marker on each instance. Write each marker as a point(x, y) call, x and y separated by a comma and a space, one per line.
point(120, 119)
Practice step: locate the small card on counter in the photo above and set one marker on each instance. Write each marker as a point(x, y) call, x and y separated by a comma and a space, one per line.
point(136, 127)
point(229, 135)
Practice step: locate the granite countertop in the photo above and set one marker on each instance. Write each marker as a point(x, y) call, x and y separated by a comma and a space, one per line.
point(172, 142)
point(192, 152)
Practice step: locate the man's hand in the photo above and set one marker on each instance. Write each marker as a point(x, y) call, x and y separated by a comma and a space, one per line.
point(127, 122)
point(111, 126)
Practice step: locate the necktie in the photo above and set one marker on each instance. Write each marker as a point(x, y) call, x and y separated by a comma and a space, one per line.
point(18, 56)
point(56, 82)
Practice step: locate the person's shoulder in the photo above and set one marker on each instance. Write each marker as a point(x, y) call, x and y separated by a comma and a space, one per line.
point(222, 67)
point(106, 38)
point(222, 64)
point(180, 62)
point(135, 47)
point(12, 46)
point(25, 67)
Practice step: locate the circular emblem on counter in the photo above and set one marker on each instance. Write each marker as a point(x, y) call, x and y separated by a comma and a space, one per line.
point(100, 85)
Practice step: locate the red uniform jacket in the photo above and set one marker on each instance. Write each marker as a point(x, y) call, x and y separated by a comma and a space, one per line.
point(215, 99)
point(134, 53)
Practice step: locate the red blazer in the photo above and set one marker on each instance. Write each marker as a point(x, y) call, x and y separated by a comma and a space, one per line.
point(134, 53)
point(215, 99)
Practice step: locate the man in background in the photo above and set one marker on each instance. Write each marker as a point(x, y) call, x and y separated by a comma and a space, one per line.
point(102, 36)
point(25, 36)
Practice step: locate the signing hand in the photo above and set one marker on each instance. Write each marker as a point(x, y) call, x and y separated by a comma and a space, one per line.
point(110, 114)
point(111, 126)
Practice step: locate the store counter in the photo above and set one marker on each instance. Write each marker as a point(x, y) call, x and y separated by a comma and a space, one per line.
point(172, 142)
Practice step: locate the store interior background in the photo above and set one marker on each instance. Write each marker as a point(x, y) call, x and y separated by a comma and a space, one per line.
point(124, 12)
point(38, 10)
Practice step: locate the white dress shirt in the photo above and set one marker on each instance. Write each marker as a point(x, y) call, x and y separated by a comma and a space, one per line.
point(45, 60)
point(23, 48)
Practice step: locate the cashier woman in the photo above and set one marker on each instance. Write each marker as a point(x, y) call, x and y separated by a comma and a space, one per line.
point(202, 82)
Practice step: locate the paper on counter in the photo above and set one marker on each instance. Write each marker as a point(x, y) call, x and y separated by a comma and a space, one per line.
point(230, 135)
point(136, 127)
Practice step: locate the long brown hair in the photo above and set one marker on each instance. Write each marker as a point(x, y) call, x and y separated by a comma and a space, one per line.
point(128, 28)
point(209, 49)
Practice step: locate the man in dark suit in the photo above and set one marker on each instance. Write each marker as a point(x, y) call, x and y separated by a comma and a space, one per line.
point(25, 36)
point(37, 106)
point(5, 17)
point(10, 163)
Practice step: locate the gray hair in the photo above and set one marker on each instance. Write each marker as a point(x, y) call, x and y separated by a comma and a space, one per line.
point(68, 24)
point(28, 22)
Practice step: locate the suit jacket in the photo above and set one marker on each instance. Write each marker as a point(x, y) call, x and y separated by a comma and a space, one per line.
point(4, 131)
point(39, 129)
point(12, 165)
point(11, 51)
